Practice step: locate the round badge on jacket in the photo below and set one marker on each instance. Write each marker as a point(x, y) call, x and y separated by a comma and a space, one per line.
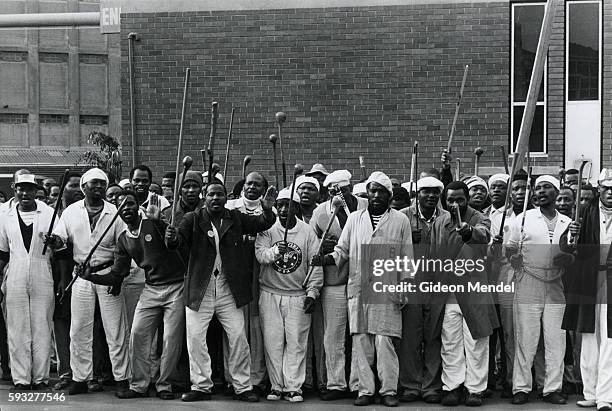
point(289, 262)
point(148, 238)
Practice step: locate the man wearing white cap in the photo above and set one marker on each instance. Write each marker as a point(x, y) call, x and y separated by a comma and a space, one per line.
point(333, 293)
point(478, 193)
point(420, 369)
point(308, 189)
point(589, 298)
point(28, 285)
point(287, 297)
point(374, 317)
point(539, 301)
point(319, 172)
point(82, 224)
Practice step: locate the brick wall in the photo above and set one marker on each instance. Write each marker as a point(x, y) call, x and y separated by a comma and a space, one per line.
point(353, 81)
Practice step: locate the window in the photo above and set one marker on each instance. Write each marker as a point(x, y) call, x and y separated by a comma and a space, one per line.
point(583, 51)
point(526, 24)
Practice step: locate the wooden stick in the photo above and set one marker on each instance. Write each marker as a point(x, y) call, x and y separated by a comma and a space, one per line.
point(211, 140)
point(57, 207)
point(179, 150)
point(227, 147)
point(457, 105)
point(95, 247)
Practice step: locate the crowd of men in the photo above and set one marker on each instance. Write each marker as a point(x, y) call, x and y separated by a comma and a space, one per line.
point(270, 292)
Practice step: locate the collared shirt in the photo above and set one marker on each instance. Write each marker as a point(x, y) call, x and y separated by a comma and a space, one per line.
point(74, 227)
point(538, 248)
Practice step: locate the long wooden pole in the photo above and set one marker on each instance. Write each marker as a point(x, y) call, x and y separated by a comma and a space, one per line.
point(179, 150)
point(537, 74)
point(227, 147)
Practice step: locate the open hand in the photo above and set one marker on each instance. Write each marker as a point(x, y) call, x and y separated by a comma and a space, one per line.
point(268, 200)
point(153, 210)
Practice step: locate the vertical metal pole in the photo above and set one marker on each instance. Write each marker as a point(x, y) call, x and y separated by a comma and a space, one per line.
point(131, 39)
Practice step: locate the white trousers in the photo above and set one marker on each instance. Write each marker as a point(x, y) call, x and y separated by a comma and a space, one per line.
point(335, 320)
point(29, 316)
point(373, 349)
point(465, 360)
point(217, 300)
point(285, 331)
point(114, 319)
point(596, 359)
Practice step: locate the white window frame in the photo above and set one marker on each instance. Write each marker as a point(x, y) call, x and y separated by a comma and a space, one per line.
point(514, 104)
point(567, 43)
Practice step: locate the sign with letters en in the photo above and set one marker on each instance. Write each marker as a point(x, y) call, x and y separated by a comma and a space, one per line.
point(110, 12)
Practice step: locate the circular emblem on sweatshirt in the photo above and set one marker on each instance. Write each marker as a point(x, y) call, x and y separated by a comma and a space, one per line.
point(290, 261)
point(148, 238)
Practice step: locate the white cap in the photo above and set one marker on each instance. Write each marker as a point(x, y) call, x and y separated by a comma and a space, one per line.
point(93, 174)
point(359, 188)
point(430, 182)
point(381, 178)
point(285, 194)
point(306, 179)
point(123, 183)
point(317, 168)
point(548, 179)
point(341, 178)
point(25, 179)
point(499, 177)
point(605, 177)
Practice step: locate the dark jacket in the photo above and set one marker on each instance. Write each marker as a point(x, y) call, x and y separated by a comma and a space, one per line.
point(581, 278)
point(195, 233)
point(477, 307)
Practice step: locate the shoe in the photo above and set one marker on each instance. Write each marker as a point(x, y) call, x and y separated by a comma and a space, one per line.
point(228, 391)
point(603, 406)
point(506, 392)
point(121, 386)
point(165, 395)
point(22, 387)
point(364, 400)
point(77, 388)
point(473, 400)
point(261, 392)
point(586, 403)
point(193, 395)
point(43, 386)
point(554, 398)
point(129, 394)
point(433, 398)
point(294, 396)
point(94, 386)
point(332, 395)
point(488, 393)
point(61, 385)
point(520, 398)
point(389, 401)
point(247, 396)
point(451, 398)
point(274, 395)
point(409, 396)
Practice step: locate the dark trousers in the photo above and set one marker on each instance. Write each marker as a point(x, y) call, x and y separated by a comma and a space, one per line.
point(61, 330)
point(102, 368)
point(419, 349)
point(4, 355)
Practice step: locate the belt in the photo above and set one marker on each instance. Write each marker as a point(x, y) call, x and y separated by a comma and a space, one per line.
point(101, 267)
point(603, 267)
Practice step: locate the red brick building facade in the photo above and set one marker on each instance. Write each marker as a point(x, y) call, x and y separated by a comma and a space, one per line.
point(366, 80)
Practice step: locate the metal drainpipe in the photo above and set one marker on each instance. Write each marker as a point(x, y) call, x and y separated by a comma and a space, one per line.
point(132, 37)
